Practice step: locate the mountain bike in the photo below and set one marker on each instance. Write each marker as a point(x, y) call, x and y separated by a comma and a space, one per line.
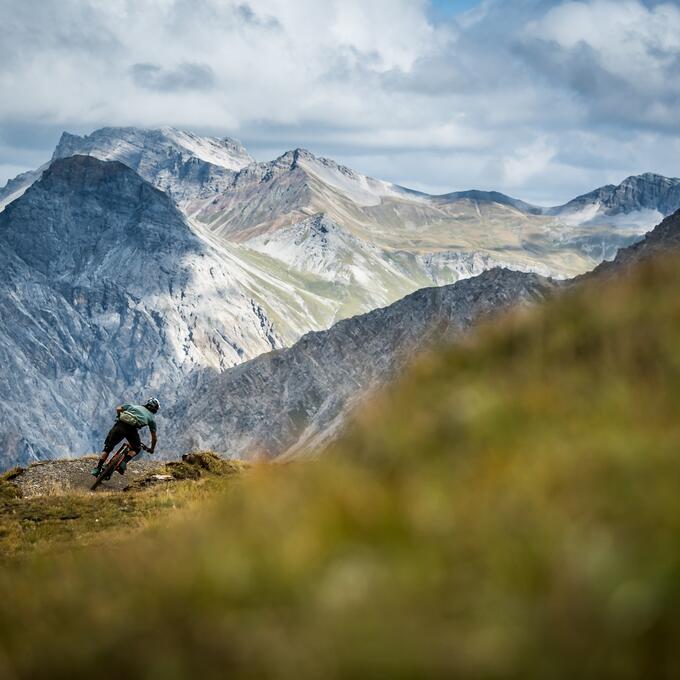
point(115, 460)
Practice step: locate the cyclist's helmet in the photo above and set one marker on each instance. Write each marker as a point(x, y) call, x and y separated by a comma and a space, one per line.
point(153, 405)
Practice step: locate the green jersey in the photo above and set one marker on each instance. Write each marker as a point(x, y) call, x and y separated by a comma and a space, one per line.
point(142, 416)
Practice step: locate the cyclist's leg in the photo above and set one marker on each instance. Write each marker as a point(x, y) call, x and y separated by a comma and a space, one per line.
point(116, 433)
point(132, 436)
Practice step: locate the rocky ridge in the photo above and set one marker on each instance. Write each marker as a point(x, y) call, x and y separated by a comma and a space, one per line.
point(290, 399)
point(184, 165)
point(295, 399)
point(647, 192)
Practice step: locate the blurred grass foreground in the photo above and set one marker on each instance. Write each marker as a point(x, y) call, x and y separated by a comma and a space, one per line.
point(511, 509)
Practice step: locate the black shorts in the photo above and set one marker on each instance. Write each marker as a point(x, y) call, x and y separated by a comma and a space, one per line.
point(122, 431)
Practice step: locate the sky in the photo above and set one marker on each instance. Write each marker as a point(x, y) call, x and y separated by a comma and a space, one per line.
point(540, 99)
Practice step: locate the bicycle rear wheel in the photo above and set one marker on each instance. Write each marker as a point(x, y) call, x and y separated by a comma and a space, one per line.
point(111, 466)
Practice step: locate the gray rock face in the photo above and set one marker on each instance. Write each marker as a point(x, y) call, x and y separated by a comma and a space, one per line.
point(285, 400)
point(634, 194)
point(105, 291)
point(182, 164)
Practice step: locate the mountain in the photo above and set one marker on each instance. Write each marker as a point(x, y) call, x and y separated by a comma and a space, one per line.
point(267, 206)
point(247, 257)
point(293, 398)
point(637, 199)
point(395, 222)
point(419, 239)
point(381, 241)
point(663, 239)
point(384, 241)
point(105, 290)
point(182, 164)
point(297, 398)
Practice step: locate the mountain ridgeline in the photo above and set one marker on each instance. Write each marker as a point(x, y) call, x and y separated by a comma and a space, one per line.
point(644, 192)
point(295, 399)
point(158, 260)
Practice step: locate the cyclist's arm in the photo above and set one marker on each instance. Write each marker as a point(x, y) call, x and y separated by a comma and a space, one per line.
point(154, 439)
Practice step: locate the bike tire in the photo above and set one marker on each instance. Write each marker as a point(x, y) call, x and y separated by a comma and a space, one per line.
point(110, 467)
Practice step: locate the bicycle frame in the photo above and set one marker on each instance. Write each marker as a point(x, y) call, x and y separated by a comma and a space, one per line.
point(112, 465)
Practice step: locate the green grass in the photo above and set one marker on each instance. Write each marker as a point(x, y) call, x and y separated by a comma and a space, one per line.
point(509, 510)
point(62, 522)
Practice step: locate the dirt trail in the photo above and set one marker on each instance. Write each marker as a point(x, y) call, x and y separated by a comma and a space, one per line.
point(58, 476)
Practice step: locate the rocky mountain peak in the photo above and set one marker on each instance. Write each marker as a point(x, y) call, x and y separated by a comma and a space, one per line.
point(183, 164)
point(85, 173)
point(649, 178)
point(67, 145)
point(305, 159)
point(82, 208)
point(131, 145)
point(646, 192)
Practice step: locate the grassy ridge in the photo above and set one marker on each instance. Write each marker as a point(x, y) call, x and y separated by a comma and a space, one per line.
point(510, 510)
point(64, 521)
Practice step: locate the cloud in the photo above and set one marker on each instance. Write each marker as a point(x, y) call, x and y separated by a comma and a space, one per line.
point(619, 56)
point(183, 77)
point(544, 98)
point(248, 14)
point(527, 162)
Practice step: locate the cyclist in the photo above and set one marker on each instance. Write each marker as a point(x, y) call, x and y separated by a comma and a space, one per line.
point(130, 418)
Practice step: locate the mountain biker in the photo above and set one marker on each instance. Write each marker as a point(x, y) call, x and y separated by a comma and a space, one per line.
point(130, 418)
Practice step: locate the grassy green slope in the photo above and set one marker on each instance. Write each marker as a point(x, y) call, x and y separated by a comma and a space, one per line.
point(509, 510)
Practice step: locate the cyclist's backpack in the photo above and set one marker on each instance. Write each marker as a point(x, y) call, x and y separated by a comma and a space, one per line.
point(129, 419)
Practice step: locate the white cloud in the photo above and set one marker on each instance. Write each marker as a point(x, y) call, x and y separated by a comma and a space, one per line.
point(270, 59)
point(627, 35)
point(502, 97)
point(624, 48)
point(527, 162)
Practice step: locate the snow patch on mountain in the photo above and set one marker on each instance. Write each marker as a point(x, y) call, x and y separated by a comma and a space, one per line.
point(364, 191)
